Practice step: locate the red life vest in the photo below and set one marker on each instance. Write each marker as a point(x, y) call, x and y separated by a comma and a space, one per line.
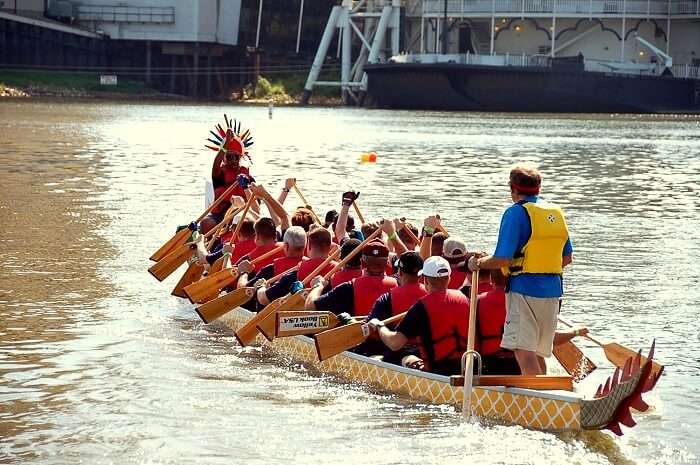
point(310, 264)
point(367, 289)
point(403, 297)
point(485, 286)
point(345, 275)
point(280, 265)
point(456, 279)
point(242, 249)
point(262, 250)
point(448, 313)
point(490, 318)
point(229, 176)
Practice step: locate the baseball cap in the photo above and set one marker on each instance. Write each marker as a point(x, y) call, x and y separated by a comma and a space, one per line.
point(454, 248)
point(435, 267)
point(410, 262)
point(375, 249)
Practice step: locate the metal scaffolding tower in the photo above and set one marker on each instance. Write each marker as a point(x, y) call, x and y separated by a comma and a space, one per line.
point(375, 19)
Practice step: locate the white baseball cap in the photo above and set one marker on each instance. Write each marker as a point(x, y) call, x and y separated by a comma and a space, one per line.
point(435, 267)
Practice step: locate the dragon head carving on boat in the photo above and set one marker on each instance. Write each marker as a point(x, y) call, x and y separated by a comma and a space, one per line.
point(611, 406)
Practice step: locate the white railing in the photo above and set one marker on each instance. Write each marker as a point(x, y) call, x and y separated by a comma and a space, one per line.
point(686, 71)
point(474, 59)
point(563, 7)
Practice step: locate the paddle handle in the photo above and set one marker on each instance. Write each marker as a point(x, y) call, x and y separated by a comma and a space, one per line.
point(359, 214)
point(413, 237)
point(276, 278)
point(320, 267)
point(394, 318)
point(245, 212)
point(352, 253)
point(267, 255)
point(590, 338)
point(301, 196)
point(471, 332)
point(216, 202)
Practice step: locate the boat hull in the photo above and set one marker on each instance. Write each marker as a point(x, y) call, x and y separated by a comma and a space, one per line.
point(544, 410)
point(452, 86)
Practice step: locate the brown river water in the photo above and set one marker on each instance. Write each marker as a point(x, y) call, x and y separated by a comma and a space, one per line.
point(100, 365)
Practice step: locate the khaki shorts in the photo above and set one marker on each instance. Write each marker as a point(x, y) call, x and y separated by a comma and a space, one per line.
point(530, 323)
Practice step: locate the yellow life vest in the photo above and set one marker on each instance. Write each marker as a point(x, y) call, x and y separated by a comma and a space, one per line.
point(543, 251)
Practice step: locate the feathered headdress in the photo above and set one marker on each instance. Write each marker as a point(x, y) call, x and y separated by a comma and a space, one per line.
point(232, 139)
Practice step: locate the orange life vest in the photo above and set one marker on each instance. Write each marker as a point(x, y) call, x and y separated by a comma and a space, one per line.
point(456, 279)
point(367, 289)
point(262, 250)
point(403, 297)
point(280, 265)
point(310, 264)
point(490, 318)
point(448, 313)
point(345, 275)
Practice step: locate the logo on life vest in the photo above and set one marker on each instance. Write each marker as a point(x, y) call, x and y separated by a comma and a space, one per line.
point(551, 218)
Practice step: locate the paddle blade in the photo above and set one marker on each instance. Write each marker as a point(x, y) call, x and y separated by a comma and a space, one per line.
point(337, 340)
point(178, 239)
point(220, 306)
point(209, 287)
point(303, 323)
point(171, 262)
point(268, 324)
point(247, 333)
point(193, 273)
point(618, 354)
point(573, 360)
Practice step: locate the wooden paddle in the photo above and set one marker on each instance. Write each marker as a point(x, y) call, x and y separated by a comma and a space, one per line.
point(267, 325)
point(199, 292)
point(359, 214)
point(302, 322)
point(301, 196)
point(471, 334)
point(209, 287)
point(573, 360)
point(618, 354)
point(192, 274)
point(195, 270)
point(181, 236)
point(338, 340)
point(220, 306)
point(171, 262)
point(247, 333)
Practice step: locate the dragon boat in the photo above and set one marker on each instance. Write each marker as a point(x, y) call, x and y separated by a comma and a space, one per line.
point(548, 410)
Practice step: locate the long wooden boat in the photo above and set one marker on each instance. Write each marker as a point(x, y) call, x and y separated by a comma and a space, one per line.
point(538, 409)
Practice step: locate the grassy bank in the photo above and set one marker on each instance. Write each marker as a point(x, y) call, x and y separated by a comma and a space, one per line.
point(40, 83)
point(288, 88)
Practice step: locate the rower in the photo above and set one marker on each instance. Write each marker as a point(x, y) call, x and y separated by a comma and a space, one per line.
point(357, 296)
point(319, 246)
point(401, 298)
point(353, 269)
point(265, 241)
point(431, 240)
point(294, 246)
point(455, 251)
point(440, 320)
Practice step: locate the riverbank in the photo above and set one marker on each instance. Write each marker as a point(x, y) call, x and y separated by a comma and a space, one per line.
point(281, 90)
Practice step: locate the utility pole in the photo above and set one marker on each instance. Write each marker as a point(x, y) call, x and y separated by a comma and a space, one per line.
point(444, 29)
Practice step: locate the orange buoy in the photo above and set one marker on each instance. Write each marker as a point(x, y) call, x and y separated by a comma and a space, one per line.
point(373, 157)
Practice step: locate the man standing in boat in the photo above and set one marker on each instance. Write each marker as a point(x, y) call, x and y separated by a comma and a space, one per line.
point(533, 248)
